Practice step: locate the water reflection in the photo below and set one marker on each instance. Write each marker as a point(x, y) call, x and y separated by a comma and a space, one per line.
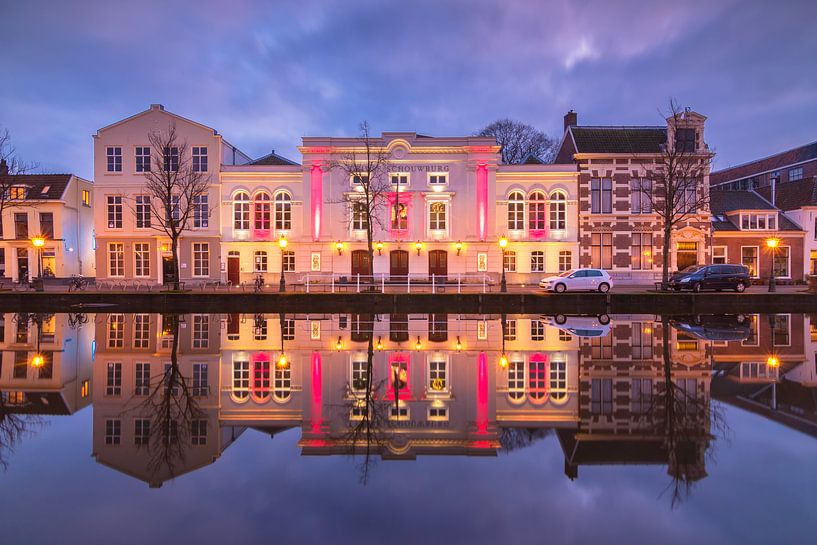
point(172, 392)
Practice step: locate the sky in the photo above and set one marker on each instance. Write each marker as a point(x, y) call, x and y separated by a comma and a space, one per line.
point(266, 73)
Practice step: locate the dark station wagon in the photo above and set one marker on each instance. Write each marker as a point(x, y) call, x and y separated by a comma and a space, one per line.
point(711, 277)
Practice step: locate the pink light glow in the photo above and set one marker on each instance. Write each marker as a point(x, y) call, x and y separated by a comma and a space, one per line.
point(482, 394)
point(395, 359)
point(261, 370)
point(317, 393)
point(406, 199)
point(482, 200)
point(538, 233)
point(317, 199)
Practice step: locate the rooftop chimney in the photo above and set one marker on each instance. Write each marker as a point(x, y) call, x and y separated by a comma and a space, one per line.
point(156, 107)
point(4, 168)
point(571, 119)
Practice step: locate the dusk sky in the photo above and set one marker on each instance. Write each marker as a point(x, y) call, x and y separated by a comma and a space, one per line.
point(266, 73)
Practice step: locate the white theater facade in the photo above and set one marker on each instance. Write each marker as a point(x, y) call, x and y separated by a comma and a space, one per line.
point(448, 204)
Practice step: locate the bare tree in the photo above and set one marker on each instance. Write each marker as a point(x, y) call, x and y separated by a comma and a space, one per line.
point(175, 189)
point(675, 186)
point(367, 205)
point(12, 170)
point(520, 141)
point(14, 426)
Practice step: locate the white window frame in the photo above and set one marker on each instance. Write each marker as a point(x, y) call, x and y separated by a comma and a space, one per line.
point(201, 267)
point(141, 330)
point(725, 255)
point(519, 215)
point(240, 383)
point(141, 260)
point(437, 178)
point(197, 156)
point(113, 159)
point(754, 322)
point(400, 176)
point(201, 211)
point(798, 173)
point(142, 212)
point(260, 261)
point(769, 221)
point(562, 255)
point(482, 262)
point(120, 252)
point(757, 259)
point(200, 333)
point(358, 221)
point(436, 229)
point(288, 260)
point(788, 328)
point(557, 374)
point(788, 261)
point(242, 211)
point(537, 266)
point(557, 206)
point(142, 158)
point(443, 359)
point(282, 211)
point(509, 260)
point(114, 210)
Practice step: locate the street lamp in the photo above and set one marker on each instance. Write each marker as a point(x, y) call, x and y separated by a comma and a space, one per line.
point(503, 243)
point(282, 285)
point(772, 244)
point(773, 363)
point(38, 243)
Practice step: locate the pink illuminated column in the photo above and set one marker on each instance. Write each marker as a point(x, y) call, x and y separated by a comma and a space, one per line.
point(482, 200)
point(482, 394)
point(317, 392)
point(316, 186)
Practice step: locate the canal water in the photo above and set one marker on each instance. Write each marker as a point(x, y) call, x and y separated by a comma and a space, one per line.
point(407, 428)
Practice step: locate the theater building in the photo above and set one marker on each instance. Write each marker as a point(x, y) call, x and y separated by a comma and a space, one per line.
point(618, 229)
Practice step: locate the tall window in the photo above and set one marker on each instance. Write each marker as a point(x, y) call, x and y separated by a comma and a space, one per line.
point(198, 432)
point(640, 190)
point(114, 154)
point(261, 380)
point(142, 379)
point(601, 396)
point(601, 348)
point(536, 211)
point(241, 379)
point(260, 259)
point(537, 330)
point(21, 225)
point(748, 258)
point(241, 212)
point(685, 139)
point(360, 376)
point(86, 197)
point(116, 330)
point(641, 251)
point(201, 386)
point(601, 250)
point(262, 212)
point(558, 380)
point(142, 211)
point(781, 330)
point(142, 159)
point(201, 211)
point(537, 379)
point(113, 380)
point(199, 159)
point(201, 330)
point(141, 257)
point(360, 220)
point(537, 261)
point(516, 380)
point(283, 211)
point(114, 212)
point(399, 216)
point(641, 395)
point(288, 329)
point(719, 255)
point(288, 261)
point(171, 159)
point(47, 224)
point(509, 260)
point(116, 259)
point(516, 211)
point(558, 211)
point(437, 216)
point(141, 431)
point(565, 260)
point(782, 261)
point(175, 209)
point(282, 383)
point(641, 340)
point(201, 259)
point(509, 331)
point(438, 375)
point(689, 196)
point(113, 431)
point(141, 330)
point(601, 196)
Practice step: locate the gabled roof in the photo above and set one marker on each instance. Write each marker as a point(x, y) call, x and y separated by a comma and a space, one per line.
point(618, 139)
point(531, 159)
point(156, 108)
point(770, 163)
point(792, 195)
point(53, 184)
point(273, 159)
point(722, 202)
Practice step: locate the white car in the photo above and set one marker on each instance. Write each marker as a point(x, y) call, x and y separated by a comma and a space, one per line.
point(580, 326)
point(578, 280)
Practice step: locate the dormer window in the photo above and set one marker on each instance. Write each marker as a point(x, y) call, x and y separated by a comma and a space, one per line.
point(45, 189)
point(17, 193)
point(685, 139)
point(758, 222)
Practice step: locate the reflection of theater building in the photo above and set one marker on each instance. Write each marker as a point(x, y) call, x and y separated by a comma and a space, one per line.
point(46, 364)
point(133, 355)
point(623, 399)
point(618, 228)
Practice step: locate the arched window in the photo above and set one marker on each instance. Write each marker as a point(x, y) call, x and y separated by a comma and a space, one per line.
point(558, 380)
point(558, 211)
point(241, 380)
point(283, 211)
point(516, 380)
point(536, 211)
point(282, 388)
point(262, 212)
point(516, 211)
point(537, 379)
point(261, 380)
point(436, 216)
point(241, 212)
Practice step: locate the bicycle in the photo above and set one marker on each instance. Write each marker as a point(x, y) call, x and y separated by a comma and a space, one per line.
point(77, 283)
point(258, 286)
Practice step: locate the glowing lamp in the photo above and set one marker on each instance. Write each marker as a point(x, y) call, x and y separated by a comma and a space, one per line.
point(772, 242)
point(282, 362)
point(773, 362)
point(380, 343)
point(458, 246)
point(339, 247)
point(37, 361)
point(339, 344)
point(379, 247)
point(282, 242)
point(419, 246)
point(38, 242)
point(459, 344)
point(503, 242)
point(419, 345)
point(503, 361)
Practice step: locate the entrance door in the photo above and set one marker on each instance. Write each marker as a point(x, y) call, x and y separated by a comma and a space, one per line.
point(22, 265)
point(438, 264)
point(686, 254)
point(234, 270)
point(167, 269)
point(398, 265)
point(360, 264)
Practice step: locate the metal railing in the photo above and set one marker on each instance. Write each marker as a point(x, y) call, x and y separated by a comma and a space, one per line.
point(412, 282)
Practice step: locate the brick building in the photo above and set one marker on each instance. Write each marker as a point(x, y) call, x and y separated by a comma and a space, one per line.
point(787, 166)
